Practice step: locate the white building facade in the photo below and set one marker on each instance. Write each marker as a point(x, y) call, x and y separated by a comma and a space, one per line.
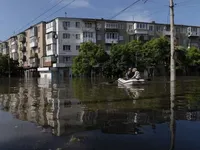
point(63, 39)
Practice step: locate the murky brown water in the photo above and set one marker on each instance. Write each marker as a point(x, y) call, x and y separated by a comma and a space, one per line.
point(92, 114)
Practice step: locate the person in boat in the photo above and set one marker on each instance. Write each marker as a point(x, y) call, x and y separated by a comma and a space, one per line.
point(129, 74)
point(136, 74)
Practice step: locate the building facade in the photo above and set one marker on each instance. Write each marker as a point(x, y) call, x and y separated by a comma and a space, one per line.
point(34, 48)
point(49, 47)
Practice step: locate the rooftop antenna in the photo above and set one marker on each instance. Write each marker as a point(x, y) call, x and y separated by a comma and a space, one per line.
point(133, 17)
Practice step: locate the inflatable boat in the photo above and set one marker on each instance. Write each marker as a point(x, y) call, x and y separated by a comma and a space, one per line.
point(131, 81)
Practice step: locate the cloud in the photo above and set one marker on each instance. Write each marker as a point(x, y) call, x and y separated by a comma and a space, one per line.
point(136, 13)
point(76, 3)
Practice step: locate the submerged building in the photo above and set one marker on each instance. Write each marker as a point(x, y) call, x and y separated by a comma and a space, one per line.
point(49, 47)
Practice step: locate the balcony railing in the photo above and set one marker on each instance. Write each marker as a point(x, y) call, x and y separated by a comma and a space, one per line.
point(33, 42)
point(110, 41)
point(111, 26)
point(93, 40)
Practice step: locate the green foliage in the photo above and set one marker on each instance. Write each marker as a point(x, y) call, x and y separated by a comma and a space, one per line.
point(193, 56)
point(156, 51)
point(153, 53)
point(90, 56)
point(4, 65)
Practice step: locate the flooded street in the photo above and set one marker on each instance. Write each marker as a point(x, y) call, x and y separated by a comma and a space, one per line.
point(82, 114)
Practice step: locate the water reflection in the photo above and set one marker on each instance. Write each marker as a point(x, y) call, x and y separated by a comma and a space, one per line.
point(65, 108)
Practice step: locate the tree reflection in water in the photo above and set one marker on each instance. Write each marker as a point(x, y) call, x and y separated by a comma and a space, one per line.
point(67, 108)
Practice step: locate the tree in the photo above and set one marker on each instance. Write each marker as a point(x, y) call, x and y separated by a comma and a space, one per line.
point(4, 65)
point(90, 56)
point(193, 56)
point(156, 52)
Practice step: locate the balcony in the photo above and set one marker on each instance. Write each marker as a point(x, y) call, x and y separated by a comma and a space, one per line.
point(33, 42)
point(13, 42)
point(33, 32)
point(51, 49)
point(130, 31)
point(193, 34)
point(34, 62)
point(22, 38)
point(111, 41)
point(140, 28)
point(13, 48)
point(62, 65)
point(48, 61)
point(14, 56)
point(111, 26)
point(51, 27)
point(33, 54)
point(111, 37)
point(22, 48)
point(5, 51)
point(93, 40)
point(141, 31)
point(50, 38)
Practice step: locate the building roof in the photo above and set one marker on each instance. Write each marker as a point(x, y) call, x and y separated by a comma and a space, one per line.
point(99, 19)
point(102, 19)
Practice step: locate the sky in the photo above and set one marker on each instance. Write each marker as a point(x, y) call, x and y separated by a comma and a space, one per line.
point(16, 15)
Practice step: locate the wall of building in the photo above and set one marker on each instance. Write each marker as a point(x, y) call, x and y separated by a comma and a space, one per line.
point(126, 31)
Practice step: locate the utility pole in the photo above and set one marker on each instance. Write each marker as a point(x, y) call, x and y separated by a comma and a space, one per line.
point(172, 60)
point(9, 64)
point(172, 78)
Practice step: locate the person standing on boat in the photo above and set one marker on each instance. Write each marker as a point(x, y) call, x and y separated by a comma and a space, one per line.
point(129, 74)
point(136, 74)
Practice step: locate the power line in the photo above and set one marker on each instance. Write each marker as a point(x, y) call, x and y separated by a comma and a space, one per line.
point(125, 9)
point(42, 14)
point(61, 8)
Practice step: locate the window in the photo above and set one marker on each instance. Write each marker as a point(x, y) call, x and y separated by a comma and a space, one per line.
point(77, 24)
point(67, 59)
point(151, 28)
point(77, 36)
point(112, 25)
point(88, 34)
point(112, 35)
point(130, 26)
point(121, 26)
point(77, 47)
point(194, 29)
point(158, 28)
point(48, 47)
point(66, 48)
point(98, 37)
point(66, 36)
point(49, 35)
point(49, 25)
point(66, 25)
point(88, 25)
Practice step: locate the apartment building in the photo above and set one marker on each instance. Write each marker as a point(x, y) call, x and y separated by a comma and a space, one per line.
point(4, 48)
point(33, 49)
point(50, 47)
point(64, 36)
point(63, 39)
point(13, 48)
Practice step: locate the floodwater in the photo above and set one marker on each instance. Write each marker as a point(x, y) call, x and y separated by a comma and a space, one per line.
point(85, 114)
